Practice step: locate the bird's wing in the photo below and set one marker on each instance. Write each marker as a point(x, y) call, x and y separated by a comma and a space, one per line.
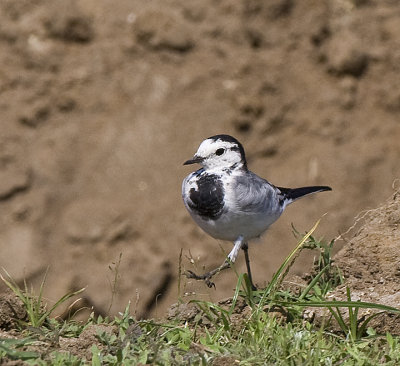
point(254, 194)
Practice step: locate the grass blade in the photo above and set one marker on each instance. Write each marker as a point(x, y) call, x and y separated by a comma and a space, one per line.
point(275, 279)
point(313, 282)
point(276, 276)
point(340, 304)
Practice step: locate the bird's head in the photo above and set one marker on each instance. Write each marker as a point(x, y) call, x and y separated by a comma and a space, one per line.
point(220, 152)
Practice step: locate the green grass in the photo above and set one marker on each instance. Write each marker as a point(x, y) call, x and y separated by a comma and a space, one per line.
point(271, 332)
point(262, 340)
point(37, 312)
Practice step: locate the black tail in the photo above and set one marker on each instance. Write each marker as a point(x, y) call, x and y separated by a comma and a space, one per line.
point(296, 193)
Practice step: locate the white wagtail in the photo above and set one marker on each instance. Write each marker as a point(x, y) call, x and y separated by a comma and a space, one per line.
point(229, 202)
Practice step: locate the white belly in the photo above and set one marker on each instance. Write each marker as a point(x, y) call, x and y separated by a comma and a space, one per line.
point(231, 225)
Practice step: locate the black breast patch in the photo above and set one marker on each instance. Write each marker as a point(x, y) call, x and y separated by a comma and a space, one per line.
point(208, 199)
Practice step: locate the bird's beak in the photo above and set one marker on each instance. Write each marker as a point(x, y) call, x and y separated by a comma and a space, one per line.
point(196, 159)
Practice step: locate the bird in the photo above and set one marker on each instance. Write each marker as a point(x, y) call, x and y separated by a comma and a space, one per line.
point(230, 202)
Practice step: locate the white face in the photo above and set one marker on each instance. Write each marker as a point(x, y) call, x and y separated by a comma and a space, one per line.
point(218, 154)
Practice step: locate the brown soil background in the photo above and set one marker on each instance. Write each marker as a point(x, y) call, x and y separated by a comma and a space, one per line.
point(101, 102)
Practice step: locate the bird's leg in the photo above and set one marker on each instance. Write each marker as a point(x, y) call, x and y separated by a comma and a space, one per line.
point(206, 277)
point(245, 248)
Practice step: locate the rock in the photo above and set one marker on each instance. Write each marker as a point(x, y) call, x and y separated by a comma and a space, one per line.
point(66, 104)
point(182, 312)
point(67, 22)
point(12, 310)
point(278, 8)
point(161, 30)
point(40, 53)
point(345, 55)
point(34, 114)
point(272, 9)
point(8, 32)
point(320, 32)
point(255, 37)
point(242, 124)
point(250, 108)
point(13, 180)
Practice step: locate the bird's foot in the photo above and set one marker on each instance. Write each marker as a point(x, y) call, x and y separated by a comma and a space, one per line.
point(253, 286)
point(206, 277)
point(249, 282)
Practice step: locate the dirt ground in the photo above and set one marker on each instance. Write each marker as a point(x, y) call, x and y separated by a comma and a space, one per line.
point(101, 102)
point(371, 266)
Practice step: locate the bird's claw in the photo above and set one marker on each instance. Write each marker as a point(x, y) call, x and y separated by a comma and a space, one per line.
point(209, 283)
point(204, 277)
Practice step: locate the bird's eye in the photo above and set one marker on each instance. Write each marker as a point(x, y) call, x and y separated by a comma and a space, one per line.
point(219, 152)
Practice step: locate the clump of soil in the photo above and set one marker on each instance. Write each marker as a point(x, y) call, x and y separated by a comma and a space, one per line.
point(370, 263)
point(12, 311)
point(81, 346)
